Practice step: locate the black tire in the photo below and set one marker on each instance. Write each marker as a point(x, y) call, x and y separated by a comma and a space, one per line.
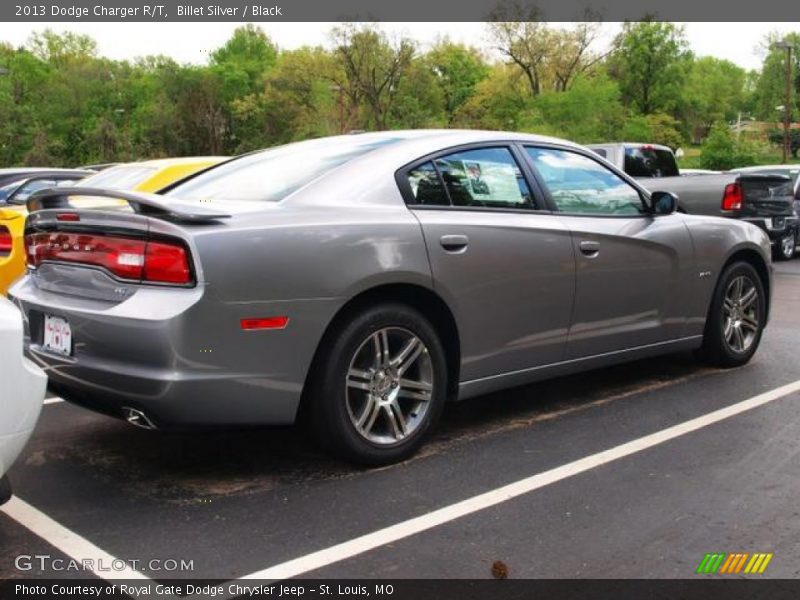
point(718, 349)
point(785, 248)
point(331, 412)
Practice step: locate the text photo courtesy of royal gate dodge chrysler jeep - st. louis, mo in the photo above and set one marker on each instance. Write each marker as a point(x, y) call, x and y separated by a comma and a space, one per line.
point(496, 306)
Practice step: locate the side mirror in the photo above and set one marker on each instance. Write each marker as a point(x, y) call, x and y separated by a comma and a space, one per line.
point(663, 203)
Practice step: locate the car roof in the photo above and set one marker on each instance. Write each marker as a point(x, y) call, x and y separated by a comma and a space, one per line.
point(422, 138)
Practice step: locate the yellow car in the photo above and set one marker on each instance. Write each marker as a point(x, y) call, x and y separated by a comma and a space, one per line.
point(144, 176)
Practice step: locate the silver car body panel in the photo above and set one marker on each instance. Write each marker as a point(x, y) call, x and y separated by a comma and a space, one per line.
point(527, 304)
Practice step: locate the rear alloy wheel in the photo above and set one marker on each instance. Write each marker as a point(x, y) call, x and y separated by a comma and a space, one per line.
point(382, 386)
point(736, 319)
point(785, 248)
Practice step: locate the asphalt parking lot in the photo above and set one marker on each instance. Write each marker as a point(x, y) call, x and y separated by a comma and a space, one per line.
point(585, 502)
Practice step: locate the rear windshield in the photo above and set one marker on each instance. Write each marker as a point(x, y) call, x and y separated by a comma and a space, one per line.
point(646, 161)
point(271, 175)
point(124, 177)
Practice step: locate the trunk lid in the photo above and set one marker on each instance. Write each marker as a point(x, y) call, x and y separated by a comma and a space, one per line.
point(106, 255)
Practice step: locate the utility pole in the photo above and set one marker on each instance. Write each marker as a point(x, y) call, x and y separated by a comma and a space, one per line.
point(787, 103)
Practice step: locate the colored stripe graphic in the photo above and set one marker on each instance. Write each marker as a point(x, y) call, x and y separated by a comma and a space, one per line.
point(730, 564)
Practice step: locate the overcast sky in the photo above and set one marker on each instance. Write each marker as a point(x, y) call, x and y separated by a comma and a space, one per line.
point(191, 42)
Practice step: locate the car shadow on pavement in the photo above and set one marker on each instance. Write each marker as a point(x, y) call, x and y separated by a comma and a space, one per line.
point(190, 467)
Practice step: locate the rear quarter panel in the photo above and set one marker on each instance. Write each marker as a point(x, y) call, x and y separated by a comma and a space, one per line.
point(304, 263)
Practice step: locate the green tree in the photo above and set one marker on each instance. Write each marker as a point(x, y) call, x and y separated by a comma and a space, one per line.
point(650, 61)
point(550, 58)
point(714, 91)
point(770, 89)
point(722, 151)
point(590, 111)
point(498, 102)
point(457, 69)
point(371, 68)
point(656, 128)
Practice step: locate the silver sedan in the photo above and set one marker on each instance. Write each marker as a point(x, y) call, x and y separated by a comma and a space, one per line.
point(361, 281)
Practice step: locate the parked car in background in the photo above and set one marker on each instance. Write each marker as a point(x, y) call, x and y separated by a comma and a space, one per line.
point(145, 176)
point(363, 280)
point(15, 187)
point(791, 171)
point(762, 199)
point(151, 175)
point(22, 389)
point(12, 179)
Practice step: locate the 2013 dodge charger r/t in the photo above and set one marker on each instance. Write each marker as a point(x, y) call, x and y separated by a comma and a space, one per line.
point(363, 280)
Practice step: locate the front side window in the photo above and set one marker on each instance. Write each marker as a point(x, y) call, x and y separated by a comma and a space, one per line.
point(485, 177)
point(578, 184)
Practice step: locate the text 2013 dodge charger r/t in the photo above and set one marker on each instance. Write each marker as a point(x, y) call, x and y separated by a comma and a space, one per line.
point(368, 278)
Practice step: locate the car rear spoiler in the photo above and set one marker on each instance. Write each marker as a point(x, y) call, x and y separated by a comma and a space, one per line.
point(142, 203)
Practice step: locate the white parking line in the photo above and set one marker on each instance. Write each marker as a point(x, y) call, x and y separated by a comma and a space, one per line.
point(69, 542)
point(52, 400)
point(393, 533)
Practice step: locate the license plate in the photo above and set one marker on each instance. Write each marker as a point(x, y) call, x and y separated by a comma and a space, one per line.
point(57, 335)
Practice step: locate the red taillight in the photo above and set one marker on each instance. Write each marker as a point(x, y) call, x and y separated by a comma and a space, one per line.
point(733, 196)
point(166, 262)
point(138, 260)
point(6, 241)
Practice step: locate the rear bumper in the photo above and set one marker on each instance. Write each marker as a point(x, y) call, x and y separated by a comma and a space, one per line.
point(179, 356)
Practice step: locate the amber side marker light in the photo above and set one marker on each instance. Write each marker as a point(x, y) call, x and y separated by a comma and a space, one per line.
point(265, 323)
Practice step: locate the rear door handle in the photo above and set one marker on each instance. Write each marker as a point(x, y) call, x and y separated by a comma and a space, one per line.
point(590, 249)
point(454, 243)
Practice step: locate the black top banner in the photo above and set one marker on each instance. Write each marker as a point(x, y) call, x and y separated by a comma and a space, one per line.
point(408, 10)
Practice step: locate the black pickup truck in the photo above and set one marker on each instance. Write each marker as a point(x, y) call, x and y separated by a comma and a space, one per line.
point(765, 199)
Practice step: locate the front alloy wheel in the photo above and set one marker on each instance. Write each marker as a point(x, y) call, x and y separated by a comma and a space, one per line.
point(741, 324)
point(736, 317)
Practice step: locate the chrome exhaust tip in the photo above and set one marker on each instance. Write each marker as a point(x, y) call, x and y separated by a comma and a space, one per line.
point(137, 418)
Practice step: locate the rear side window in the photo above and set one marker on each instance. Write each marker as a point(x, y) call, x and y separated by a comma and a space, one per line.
point(485, 177)
point(426, 186)
point(647, 161)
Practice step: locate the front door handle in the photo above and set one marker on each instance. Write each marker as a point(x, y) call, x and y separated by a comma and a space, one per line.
point(454, 243)
point(590, 249)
